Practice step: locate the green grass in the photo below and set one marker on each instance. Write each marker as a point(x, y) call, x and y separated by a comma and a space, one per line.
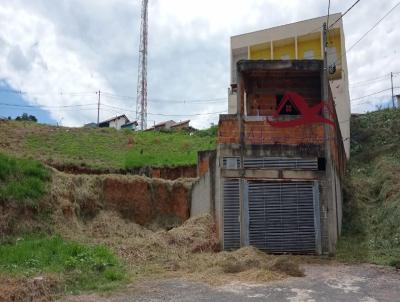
point(81, 267)
point(111, 149)
point(21, 180)
point(371, 211)
point(167, 149)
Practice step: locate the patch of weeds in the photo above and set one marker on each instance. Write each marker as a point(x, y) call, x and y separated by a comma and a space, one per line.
point(22, 180)
point(82, 267)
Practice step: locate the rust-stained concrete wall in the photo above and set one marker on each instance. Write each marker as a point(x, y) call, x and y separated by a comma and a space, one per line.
point(203, 191)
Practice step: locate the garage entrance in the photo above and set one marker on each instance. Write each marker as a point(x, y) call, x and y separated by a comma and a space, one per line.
point(283, 216)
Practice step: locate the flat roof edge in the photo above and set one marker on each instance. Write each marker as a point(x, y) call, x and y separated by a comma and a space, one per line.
point(282, 25)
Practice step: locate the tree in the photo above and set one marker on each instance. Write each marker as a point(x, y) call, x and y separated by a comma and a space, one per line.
point(26, 117)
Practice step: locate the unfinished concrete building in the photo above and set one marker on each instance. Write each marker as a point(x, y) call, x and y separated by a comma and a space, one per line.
point(275, 180)
point(300, 41)
point(280, 159)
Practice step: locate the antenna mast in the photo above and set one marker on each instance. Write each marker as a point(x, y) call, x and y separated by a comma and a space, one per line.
point(141, 100)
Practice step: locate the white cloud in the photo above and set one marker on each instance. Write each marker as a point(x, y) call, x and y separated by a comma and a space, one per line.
point(83, 46)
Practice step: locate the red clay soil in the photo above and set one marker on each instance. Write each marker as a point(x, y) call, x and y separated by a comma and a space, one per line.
point(170, 173)
point(144, 201)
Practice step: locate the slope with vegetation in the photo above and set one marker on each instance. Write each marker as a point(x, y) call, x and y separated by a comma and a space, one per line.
point(29, 246)
point(103, 148)
point(371, 229)
point(46, 251)
point(97, 249)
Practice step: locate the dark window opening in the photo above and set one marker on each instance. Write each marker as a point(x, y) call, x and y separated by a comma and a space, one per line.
point(321, 163)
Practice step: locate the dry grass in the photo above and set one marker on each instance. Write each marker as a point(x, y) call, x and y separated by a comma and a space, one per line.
point(41, 289)
point(188, 251)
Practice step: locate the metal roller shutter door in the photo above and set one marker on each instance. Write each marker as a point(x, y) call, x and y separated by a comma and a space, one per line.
point(231, 214)
point(281, 216)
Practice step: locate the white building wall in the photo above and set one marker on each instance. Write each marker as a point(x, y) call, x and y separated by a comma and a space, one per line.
point(118, 123)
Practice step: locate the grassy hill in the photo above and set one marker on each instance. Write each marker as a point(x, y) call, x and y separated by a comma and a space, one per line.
point(371, 229)
point(103, 148)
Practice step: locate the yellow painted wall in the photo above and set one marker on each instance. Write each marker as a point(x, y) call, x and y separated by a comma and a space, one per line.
point(263, 51)
point(314, 45)
point(334, 41)
point(260, 52)
point(280, 51)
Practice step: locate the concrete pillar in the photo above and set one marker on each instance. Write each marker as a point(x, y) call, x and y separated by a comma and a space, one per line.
point(272, 50)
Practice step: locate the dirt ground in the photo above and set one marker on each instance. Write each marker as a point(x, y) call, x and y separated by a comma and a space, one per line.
point(323, 282)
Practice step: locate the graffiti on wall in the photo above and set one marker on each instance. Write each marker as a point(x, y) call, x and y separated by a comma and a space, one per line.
point(292, 101)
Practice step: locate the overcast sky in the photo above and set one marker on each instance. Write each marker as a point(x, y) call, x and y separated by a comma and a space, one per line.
point(61, 52)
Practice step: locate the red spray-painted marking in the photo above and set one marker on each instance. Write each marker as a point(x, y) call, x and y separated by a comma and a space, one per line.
point(308, 115)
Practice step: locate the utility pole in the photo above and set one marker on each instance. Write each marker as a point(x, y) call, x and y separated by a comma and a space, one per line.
point(391, 80)
point(329, 169)
point(98, 110)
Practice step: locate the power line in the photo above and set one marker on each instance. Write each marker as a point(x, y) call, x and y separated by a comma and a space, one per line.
point(360, 83)
point(375, 25)
point(375, 93)
point(338, 19)
point(155, 100)
point(45, 106)
point(64, 109)
point(163, 114)
point(45, 93)
point(366, 33)
point(116, 96)
point(369, 100)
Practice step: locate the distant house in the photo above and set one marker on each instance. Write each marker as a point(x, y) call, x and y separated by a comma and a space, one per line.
point(115, 122)
point(181, 125)
point(170, 125)
point(132, 125)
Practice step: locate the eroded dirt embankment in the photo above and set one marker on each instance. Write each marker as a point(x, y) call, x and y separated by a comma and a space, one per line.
point(171, 173)
point(140, 199)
